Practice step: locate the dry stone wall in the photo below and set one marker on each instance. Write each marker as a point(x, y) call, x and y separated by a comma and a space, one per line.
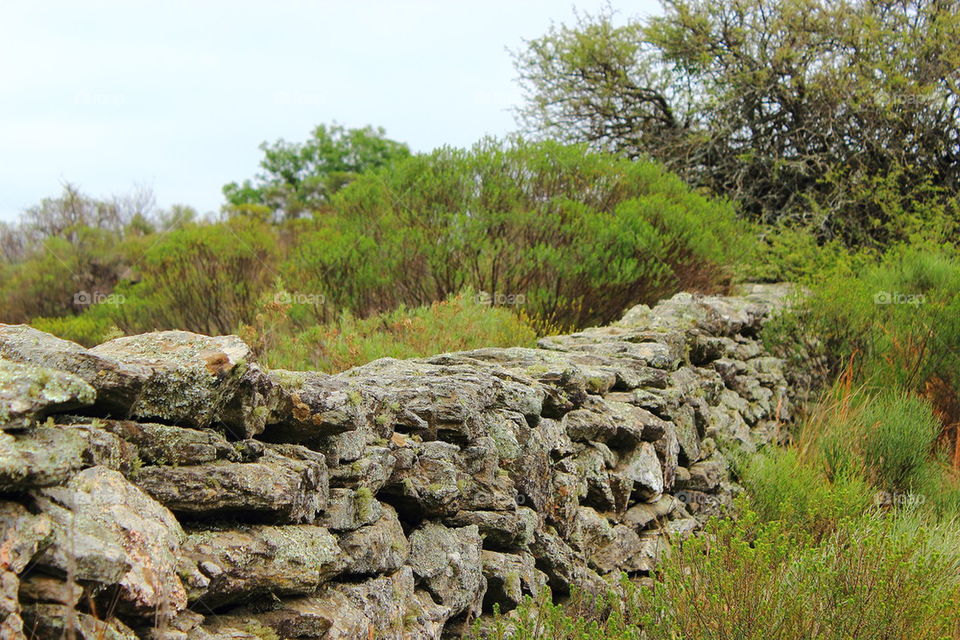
point(165, 486)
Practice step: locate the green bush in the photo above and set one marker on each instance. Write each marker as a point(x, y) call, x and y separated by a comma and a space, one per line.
point(580, 236)
point(206, 278)
point(875, 577)
point(459, 323)
point(800, 495)
point(88, 328)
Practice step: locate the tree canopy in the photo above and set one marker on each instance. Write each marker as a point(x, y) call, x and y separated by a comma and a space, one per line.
point(299, 176)
point(839, 114)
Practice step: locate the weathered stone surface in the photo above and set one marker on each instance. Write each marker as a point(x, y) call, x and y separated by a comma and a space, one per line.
point(22, 535)
point(393, 607)
point(47, 455)
point(642, 466)
point(160, 444)
point(226, 565)
point(36, 587)
point(108, 531)
point(196, 380)
point(59, 621)
point(314, 405)
point(350, 509)
point(447, 562)
point(376, 548)
point(564, 567)
point(609, 548)
point(116, 383)
point(510, 577)
point(30, 392)
point(500, 529)
point(278, 486)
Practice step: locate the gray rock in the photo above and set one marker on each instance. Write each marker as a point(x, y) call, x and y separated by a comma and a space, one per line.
point(108, 531)
point(286, 489)
point(380, 547)
point(48, 455)
point(350, 509)
point(642, 466)
point(117, 384)
point(447, 562)
point(28, 393)
point(22, 535)
point(510, 577)
point(225, 565)
point(393, 606)
point(59, 621)
point(196, 380)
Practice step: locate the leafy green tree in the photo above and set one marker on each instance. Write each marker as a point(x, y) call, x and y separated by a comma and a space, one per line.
point(301, 176)
point(840, 114)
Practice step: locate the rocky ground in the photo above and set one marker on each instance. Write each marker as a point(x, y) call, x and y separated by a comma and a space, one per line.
point(165, 486)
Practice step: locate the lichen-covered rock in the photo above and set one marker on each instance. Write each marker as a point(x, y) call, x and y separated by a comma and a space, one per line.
point(315, 405)
point(510, 577)
point(161, 444)
point(277, 486)
point(224, 565)
point(350, 509)
point(109, 532)
point(48, 455)
point(196, 380)
point(380, 547)
point(116, 383)
point(29, 392)
point(447, 562)
point(394, 607)
point(59, 621)
point(22, 535)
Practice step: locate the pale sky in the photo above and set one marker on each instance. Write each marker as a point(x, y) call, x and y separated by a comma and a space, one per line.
point(176, 96)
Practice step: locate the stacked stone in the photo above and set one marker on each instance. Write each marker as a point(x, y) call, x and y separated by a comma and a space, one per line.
point(165, 486)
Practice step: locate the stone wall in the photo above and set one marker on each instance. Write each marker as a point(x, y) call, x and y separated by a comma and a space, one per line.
point(165, 486)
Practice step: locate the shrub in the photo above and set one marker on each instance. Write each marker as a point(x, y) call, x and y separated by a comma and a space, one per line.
point(89, 329)
point(459, 323)
point(579, 235)
point(203, 278)
point(875, 577)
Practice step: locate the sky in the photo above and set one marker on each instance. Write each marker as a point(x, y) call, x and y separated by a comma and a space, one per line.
point(176, 96)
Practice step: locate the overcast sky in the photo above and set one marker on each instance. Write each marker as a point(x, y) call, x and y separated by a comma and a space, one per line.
point(176, 96)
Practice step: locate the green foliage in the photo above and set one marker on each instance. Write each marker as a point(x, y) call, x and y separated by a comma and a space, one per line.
point(801, 496)
point(459, 323)
point(298, 177)
point(752, 580)
point(89, 328)
point(202, 278)
point(838, 115)
point(897, 320)
point(899, 433)
point(577, 236)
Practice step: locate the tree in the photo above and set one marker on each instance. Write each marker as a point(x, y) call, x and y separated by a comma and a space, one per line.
point(840, 114)
point(298, 177)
